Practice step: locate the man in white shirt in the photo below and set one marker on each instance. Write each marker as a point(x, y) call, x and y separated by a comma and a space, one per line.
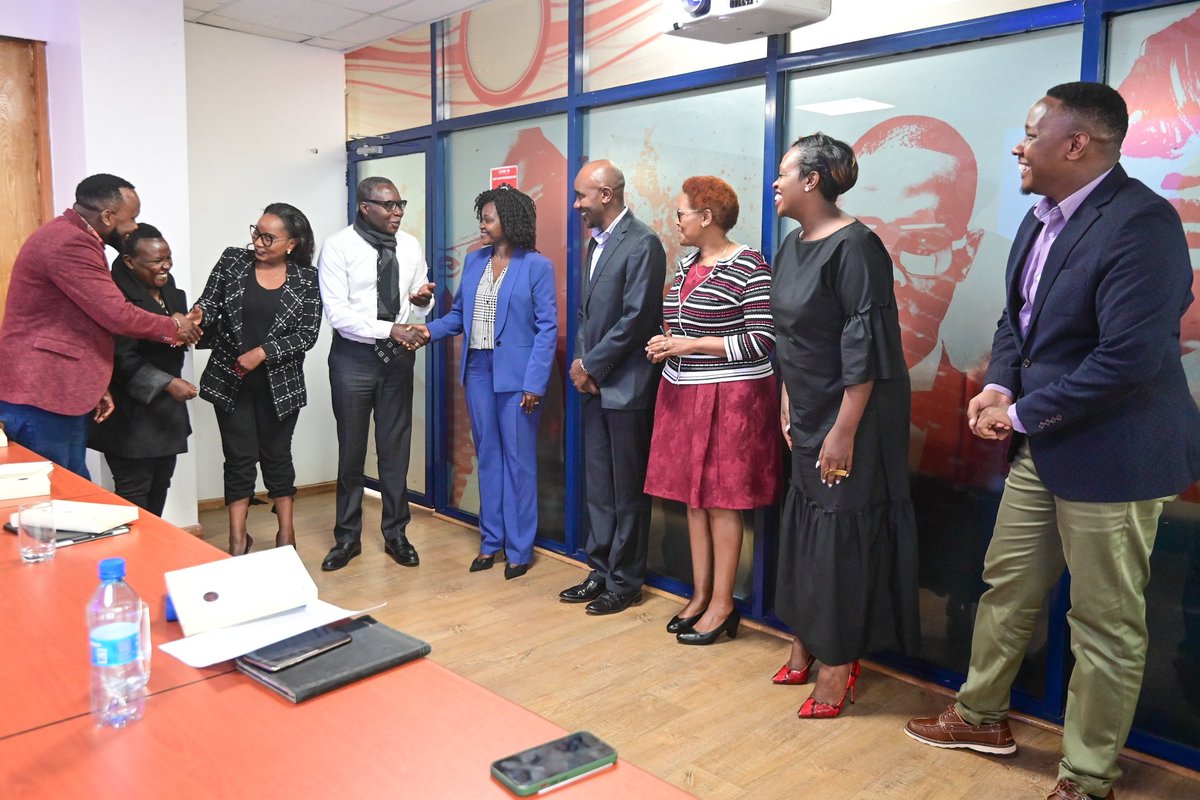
point(372, 276)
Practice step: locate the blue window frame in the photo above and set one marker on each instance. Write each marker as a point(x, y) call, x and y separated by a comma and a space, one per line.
point(773, 70)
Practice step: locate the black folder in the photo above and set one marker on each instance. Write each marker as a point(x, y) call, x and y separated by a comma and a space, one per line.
point(373, 648)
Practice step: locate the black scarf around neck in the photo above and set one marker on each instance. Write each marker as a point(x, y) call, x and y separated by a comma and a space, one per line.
point(387, 268)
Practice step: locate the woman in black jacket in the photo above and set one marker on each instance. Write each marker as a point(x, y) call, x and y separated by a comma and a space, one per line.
point(261, 312)
point(149, 426)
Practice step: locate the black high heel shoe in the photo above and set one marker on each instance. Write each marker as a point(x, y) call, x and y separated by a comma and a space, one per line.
point(680, 624)
point(730, 626)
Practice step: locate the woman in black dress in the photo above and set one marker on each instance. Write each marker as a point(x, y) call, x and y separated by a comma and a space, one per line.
point(847, 579)
point(261, 314)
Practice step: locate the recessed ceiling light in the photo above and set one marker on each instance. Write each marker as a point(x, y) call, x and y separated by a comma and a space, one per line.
point(850, 105)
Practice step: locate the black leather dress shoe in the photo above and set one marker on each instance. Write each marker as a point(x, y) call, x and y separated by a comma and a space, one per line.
point(402, 552)
point(613, 603)
point(514, 571)
point(340, 555)
point(584, 592)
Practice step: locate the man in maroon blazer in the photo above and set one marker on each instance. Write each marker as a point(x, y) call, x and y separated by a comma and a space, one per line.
point(56, 342)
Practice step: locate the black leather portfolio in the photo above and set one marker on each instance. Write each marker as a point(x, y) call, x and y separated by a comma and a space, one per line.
point(373, 648)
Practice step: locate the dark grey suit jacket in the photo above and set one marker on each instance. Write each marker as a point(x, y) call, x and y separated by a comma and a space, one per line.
point(620, 308)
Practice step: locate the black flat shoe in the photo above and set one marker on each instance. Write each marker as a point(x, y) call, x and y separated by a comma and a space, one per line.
point(613, 603)
point(680, 624)
point(584, 592)
point(340, 555)
point(402, 552)
point(514, 571)
point(483, 562)
point(730, 626)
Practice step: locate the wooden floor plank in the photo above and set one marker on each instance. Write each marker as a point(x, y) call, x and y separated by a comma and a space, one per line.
point(707, 719)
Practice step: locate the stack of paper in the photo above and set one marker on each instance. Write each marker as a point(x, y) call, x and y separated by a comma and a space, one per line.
point(228, 608)
point(27, 479)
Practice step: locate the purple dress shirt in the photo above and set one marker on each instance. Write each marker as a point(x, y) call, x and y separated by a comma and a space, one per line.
point(1054, 219)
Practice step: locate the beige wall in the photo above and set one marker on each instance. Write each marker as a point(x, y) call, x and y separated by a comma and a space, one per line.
point(266, 123)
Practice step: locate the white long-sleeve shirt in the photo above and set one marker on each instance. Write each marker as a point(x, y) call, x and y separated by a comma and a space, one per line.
point(348, 276)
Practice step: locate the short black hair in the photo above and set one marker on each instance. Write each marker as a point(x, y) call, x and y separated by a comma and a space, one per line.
point(144, 231)
point(830, 158)
point(367, 186)
point(298, 228)
point(1096, 104)
point(517, 212)
point(101, 191)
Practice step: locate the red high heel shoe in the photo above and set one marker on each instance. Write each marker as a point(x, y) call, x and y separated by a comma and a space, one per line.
point(814, 709)
point(793, 677)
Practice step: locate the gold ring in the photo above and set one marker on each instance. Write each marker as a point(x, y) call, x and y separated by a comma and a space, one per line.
point(839, 473)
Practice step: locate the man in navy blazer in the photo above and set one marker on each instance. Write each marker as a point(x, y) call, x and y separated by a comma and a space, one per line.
point(620, 308)
point(1087, 381)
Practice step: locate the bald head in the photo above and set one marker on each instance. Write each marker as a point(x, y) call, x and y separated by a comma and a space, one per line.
point(599, 193)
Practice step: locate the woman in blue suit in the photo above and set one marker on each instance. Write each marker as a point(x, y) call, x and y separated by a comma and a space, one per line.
point(505, 308)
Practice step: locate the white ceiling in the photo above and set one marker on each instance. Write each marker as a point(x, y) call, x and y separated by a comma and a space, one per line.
point(333, 24)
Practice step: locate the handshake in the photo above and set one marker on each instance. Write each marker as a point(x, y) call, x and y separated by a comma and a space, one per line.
point(410, 337)
point(187, 327)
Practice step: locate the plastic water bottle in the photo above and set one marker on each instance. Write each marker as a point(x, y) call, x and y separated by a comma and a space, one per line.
point(119, 671)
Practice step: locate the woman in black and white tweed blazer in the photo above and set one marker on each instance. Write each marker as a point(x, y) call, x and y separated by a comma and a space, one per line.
point(261, 314)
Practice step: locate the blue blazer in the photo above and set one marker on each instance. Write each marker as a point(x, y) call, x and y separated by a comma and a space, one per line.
point(526, 320)
point(1100, 387)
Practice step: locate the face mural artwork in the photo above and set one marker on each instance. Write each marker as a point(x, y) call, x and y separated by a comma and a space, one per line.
point(1162, 148)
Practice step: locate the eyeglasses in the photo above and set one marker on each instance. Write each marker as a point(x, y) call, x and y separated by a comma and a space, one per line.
point(391, 206)
point(923, 249)
point(679, 212)
point(267, 239)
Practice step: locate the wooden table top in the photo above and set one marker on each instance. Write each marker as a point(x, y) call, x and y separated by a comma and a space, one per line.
point(415, 731)
point(45, 668)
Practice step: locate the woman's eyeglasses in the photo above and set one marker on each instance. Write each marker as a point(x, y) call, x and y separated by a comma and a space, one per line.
point(679, 212)
point(391, 206)
point(267, 239)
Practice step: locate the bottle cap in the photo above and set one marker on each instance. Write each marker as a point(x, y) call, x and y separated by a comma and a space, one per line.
point(112, 569)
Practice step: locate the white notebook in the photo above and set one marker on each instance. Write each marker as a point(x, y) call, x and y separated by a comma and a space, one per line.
point(72, 515)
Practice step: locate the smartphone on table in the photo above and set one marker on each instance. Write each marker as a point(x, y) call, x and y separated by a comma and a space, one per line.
point(553, 764)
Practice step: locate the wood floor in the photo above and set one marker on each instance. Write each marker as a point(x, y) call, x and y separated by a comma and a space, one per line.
point(707, 719)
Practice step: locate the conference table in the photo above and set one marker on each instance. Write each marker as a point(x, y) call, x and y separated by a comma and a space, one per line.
point(418, 730)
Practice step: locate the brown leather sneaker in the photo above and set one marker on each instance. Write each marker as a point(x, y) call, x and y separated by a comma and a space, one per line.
point(949, 730)
point(1069, 790)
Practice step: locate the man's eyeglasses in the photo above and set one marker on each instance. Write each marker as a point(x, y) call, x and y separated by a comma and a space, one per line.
point(267, 239)
point(391, 206)
point(923, 249)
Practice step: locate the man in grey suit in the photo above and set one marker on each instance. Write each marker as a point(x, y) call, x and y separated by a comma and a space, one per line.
point(620, 308)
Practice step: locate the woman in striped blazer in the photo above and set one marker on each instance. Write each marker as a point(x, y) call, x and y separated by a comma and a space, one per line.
point(715, 445)
point(261, 314)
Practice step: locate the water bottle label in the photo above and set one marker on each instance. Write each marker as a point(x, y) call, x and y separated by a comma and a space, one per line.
point(115, 644)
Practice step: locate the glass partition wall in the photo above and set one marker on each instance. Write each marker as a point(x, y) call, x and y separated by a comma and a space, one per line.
point(932, 114)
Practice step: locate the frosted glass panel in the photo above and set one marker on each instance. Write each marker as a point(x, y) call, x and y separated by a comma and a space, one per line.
point(658, 144)
point(388, 85)
point(408, 173)
point(538, 151)
point(624, 42)
point(1154, 61)
point(501, 54)
point(938, 183)
point(855, 20)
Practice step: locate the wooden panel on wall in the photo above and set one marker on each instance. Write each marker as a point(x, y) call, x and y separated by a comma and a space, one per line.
point(25, 187)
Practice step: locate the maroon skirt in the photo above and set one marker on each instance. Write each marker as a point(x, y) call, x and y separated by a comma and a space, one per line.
point(716, 445)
